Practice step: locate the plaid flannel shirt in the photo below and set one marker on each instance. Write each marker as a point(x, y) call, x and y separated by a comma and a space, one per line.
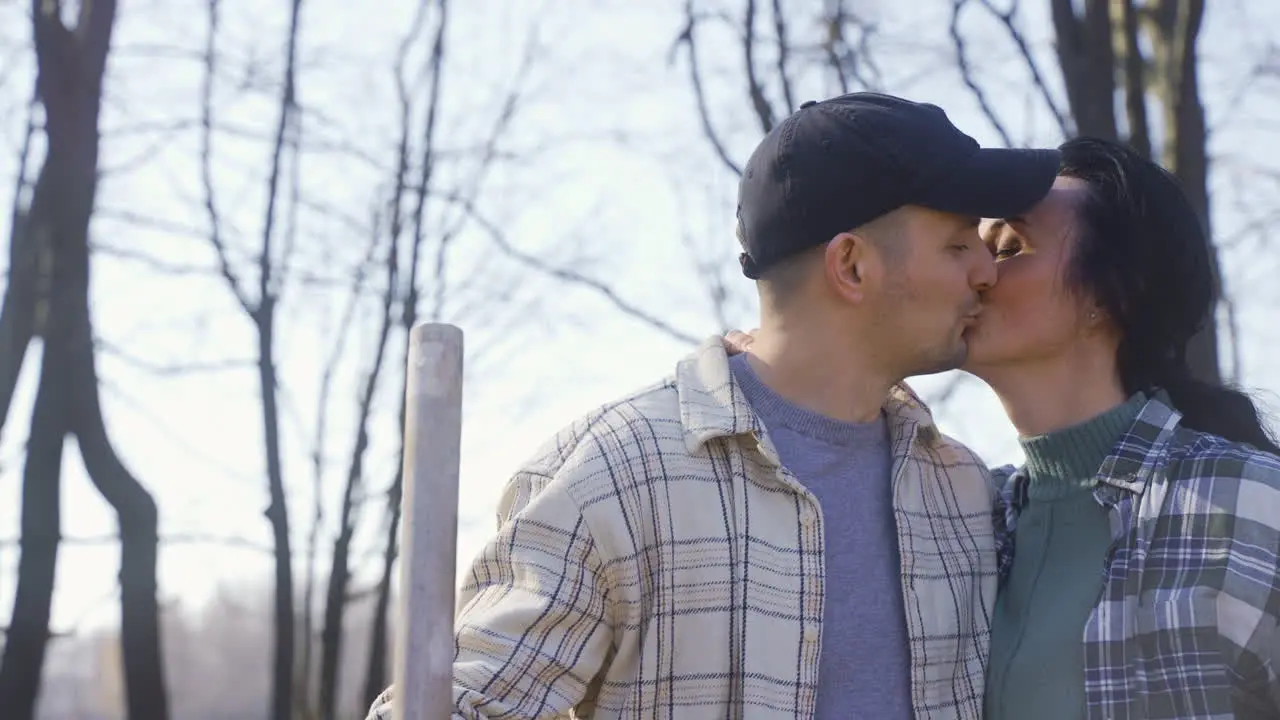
point(654, 560)
point(1185, 628)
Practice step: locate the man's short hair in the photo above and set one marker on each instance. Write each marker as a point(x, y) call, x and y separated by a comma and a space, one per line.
point(782, 279)
point(888, 234)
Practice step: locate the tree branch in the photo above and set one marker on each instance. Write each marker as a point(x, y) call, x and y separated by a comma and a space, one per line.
point(1135, 85)
point(191, 538)
point(341, 341)
point(174, 369)
point(152, 263)
point(206, 162)
point(268, 283)
point(1008, 18)
point(966, 73)
point(160, 225)
point(948, 391)
point(784, 53)
point(695, 79)
point(571, 277)
point(339, 573)
point(435, 70)
point(759, 103)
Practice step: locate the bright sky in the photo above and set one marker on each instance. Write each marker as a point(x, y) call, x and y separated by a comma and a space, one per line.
point(613, 172)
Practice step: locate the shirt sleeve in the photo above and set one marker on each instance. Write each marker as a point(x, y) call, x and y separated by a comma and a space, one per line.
point(1247, 607)
point(533, 629)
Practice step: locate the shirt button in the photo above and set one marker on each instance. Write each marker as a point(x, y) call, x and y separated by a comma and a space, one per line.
point(808, 518)
point(811, 635)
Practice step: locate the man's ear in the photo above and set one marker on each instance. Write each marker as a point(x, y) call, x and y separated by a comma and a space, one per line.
point(849, 264)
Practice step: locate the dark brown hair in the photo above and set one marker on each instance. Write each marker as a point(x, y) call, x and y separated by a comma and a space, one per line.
point(1143, 254)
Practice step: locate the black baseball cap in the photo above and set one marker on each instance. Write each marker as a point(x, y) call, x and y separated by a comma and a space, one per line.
point(837, 164)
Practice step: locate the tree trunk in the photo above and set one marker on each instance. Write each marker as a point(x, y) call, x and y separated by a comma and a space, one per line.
point(264, 318)
point(375, 680)
point(278, 515)
point(334, 609)
point(28, 635)
point(18, 314)
point(1088, 65)
point(1135, 81)
point(340, 571)
point(23, 658)
point(70, 67)
point(17, 317)
point(1087, 47)
point(137, 518)
point(1176, 26)
point(262, 314)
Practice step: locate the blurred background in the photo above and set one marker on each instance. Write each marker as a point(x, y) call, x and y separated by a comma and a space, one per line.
point(222, 217)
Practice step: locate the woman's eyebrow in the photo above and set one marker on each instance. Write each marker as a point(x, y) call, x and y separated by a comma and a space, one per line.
point(993, 228)
point(1017, 222)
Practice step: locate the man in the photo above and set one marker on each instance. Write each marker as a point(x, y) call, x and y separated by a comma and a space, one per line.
point(784, 534)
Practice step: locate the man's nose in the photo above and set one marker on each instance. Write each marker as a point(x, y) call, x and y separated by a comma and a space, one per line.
point(984, 272)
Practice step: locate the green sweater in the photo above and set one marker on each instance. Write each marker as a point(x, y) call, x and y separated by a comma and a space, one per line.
point(1061, 545)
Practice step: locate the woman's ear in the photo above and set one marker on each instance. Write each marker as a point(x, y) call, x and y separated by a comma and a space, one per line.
point(1096, 319)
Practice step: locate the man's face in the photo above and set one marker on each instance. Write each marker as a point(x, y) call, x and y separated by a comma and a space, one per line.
point(929, 292)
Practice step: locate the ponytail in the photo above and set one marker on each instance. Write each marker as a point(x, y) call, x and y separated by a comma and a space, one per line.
point(1218, 410)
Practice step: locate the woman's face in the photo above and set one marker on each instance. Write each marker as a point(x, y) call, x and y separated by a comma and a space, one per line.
point(1029, 315)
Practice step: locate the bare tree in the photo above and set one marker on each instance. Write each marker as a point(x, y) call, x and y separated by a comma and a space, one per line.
point(51, 241)
point(415, 303)
point(342, 340)
point(836, 44)
point(1112, 79)
point(375, 673)
point(405, 241)
point(339, 574)
point(340, 569)
point(772, 61)
point(261, 311)
point(414, 188)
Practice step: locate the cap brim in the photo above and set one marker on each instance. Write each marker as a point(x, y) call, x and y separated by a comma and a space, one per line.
point(995, 182)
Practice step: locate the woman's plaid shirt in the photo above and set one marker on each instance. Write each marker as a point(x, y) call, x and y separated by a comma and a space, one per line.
point(1186, 627)
point(654, 561)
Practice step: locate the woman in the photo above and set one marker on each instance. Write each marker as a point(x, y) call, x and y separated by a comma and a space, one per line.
point(1142, 536)
point(1144, 530)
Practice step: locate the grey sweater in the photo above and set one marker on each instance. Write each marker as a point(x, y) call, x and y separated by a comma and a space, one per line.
point(864, 669)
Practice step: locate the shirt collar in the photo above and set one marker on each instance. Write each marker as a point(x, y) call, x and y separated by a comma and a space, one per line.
point(712, 405)
point(1127, 469)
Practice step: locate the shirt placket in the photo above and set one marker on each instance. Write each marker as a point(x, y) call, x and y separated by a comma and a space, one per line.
point(813, 589)
point(906, 448)
point(812, 579)
point(1106, 699)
